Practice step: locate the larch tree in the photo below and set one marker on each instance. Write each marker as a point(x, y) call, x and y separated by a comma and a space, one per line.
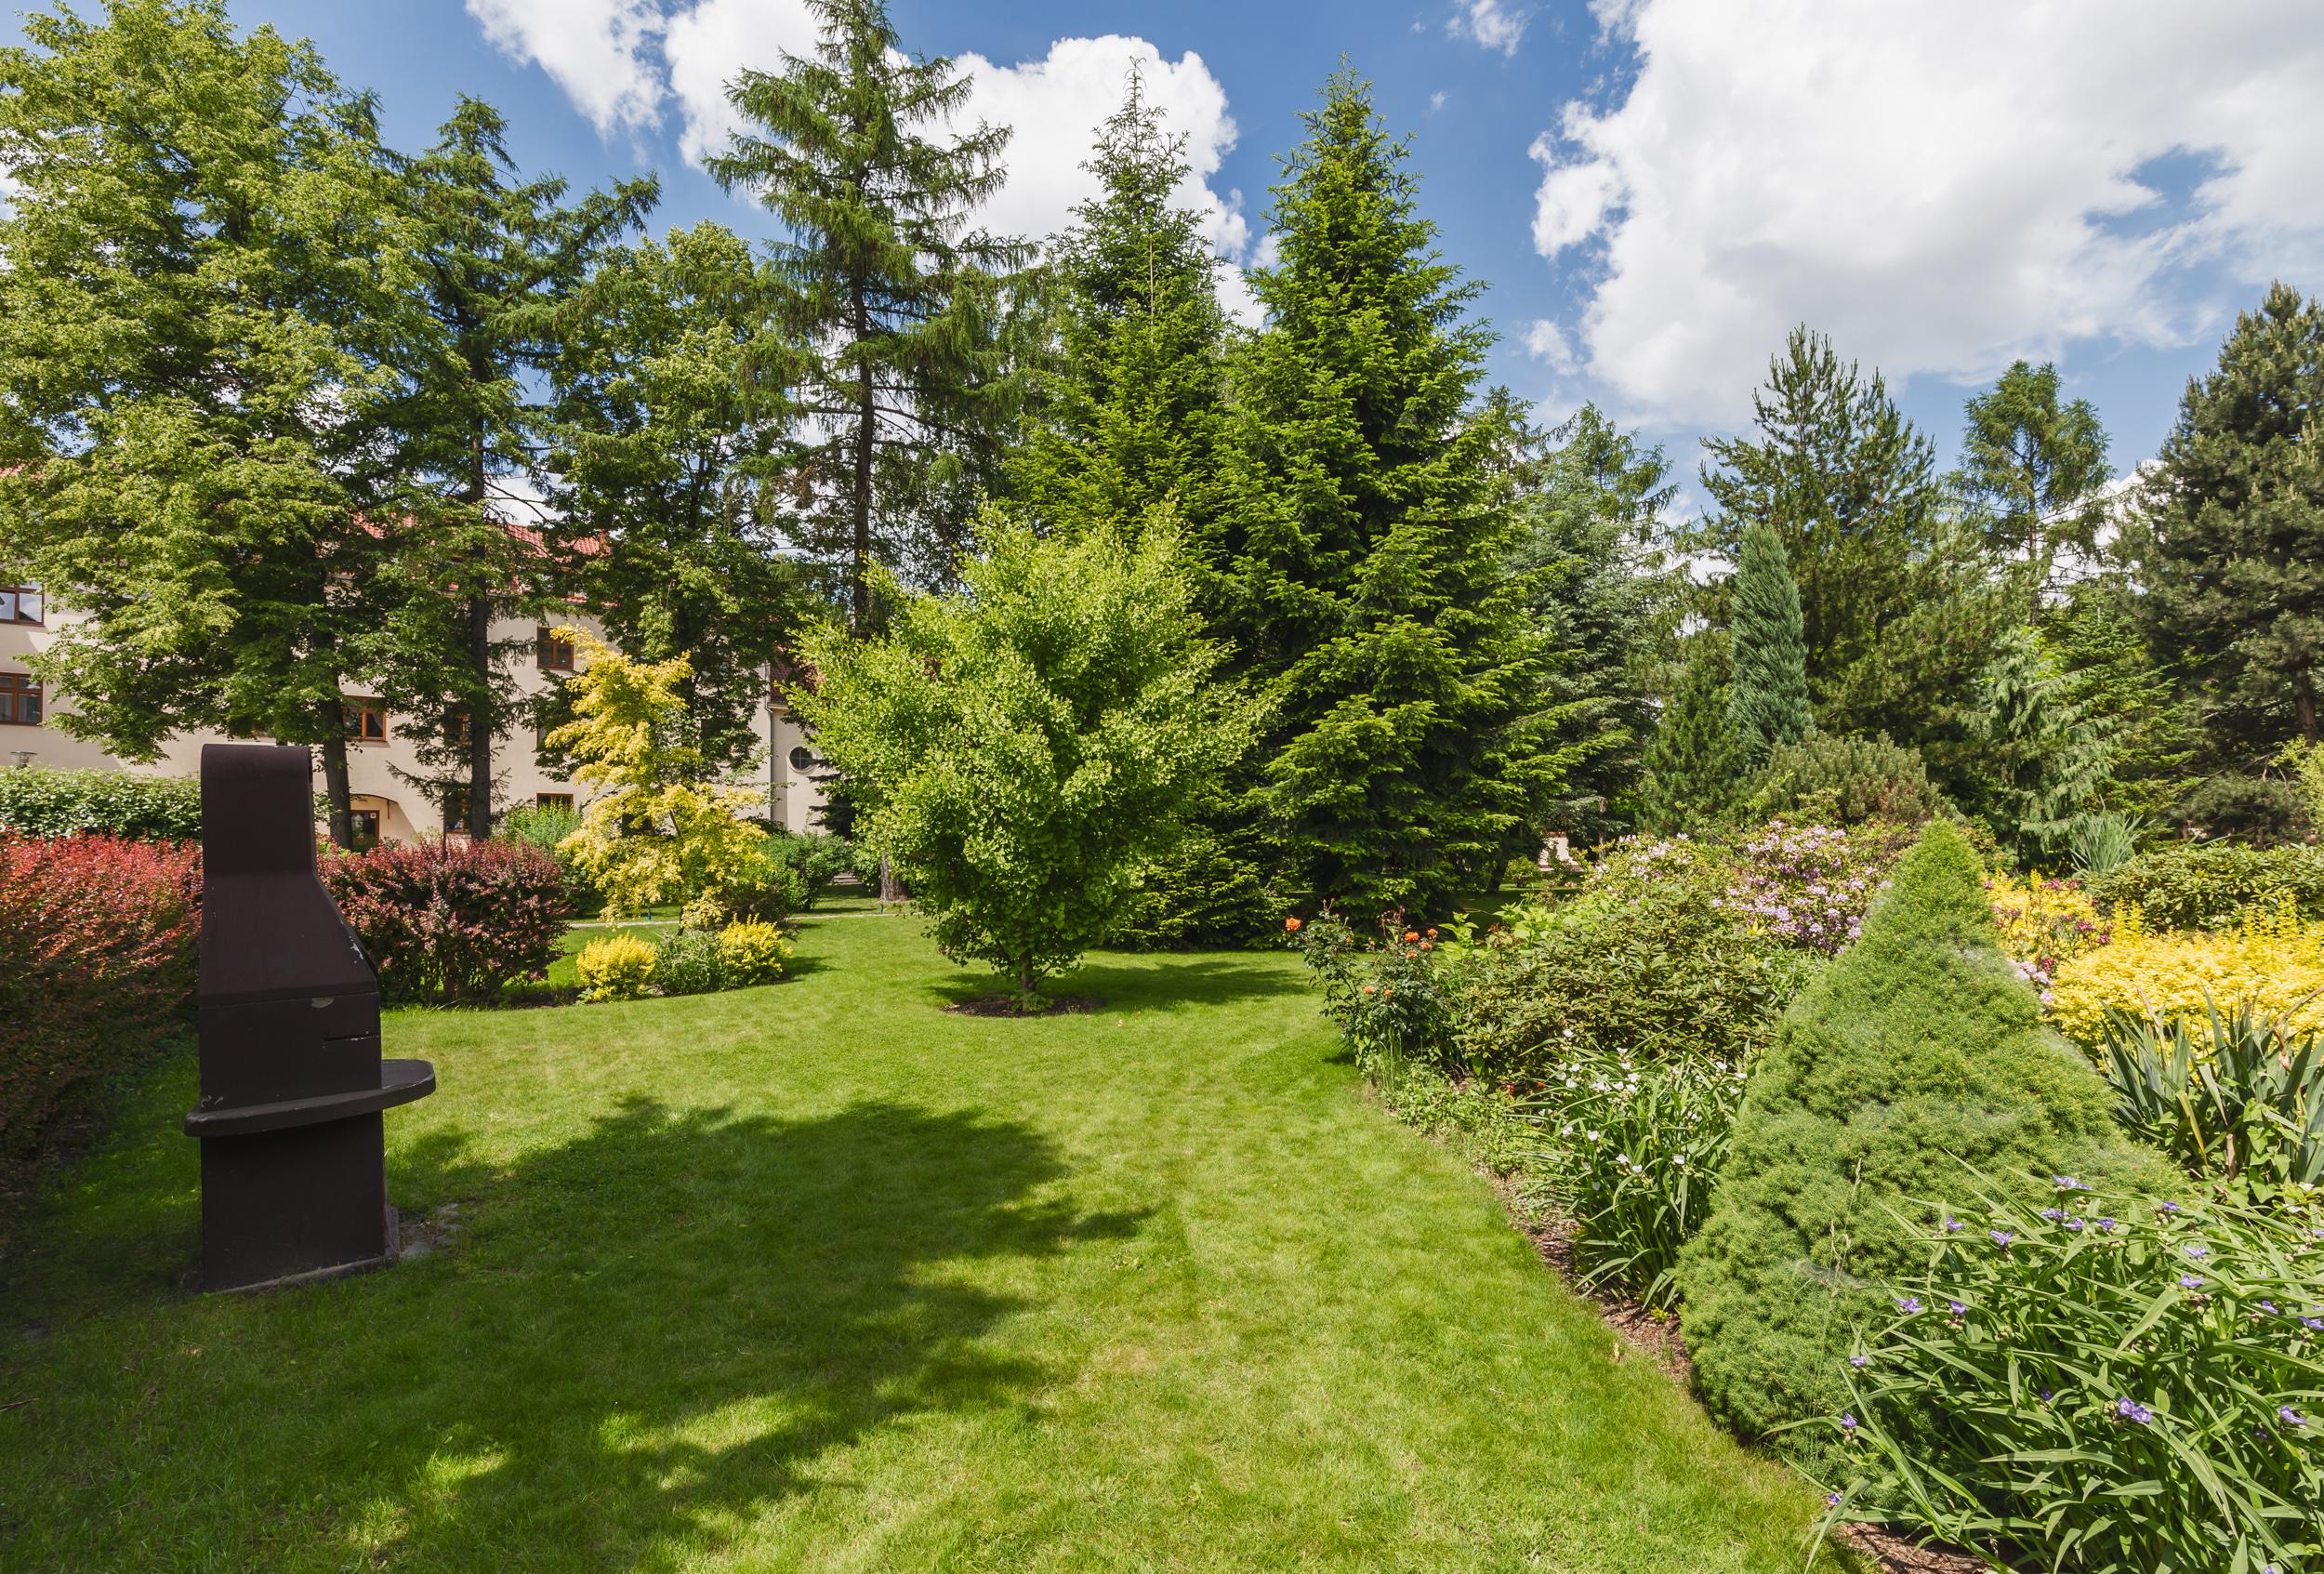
point(1368, 581)
point(498, 257)
point(898, 299)
point(1768, 705)
point(2232, 546)
point(2035, 464)
point(671, 466)
point(204, 321)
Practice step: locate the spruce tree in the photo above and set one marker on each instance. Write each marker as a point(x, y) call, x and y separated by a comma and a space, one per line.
point(1365, 579)
point(1694, 773)
point(895, 299)
point(2233, 547)
point(1132, 418)
point(1768, 706)
point(497, 256)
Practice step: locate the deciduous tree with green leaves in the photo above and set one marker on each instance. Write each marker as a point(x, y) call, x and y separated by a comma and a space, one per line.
point(671, 466)
point(1767, 706)
point(894, 298)
point(2232, 546)
point(1026, 748)
point(1367, 575)
point(207, 317)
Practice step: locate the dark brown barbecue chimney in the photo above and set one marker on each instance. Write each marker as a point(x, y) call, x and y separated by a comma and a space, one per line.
point(294, 1167)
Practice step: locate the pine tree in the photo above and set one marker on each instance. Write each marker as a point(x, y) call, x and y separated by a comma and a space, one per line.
point(497, 256)
point(2035, 466)
point(672, 448)
point(1133, 417)
point(1768, 706)
point(1694, 773)
point(206, 315)
point(1849, 488)
point(895, 299)
point(2233, 547)
point(1365, 579)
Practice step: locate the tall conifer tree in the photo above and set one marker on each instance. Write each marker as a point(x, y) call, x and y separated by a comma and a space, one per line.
point(895, 298)
point(2233, 548)
point(498, 254)
point(1768, 708)
point(1367, 575)
point(1132, 420)
point(1694, 771)
point(2035, 464)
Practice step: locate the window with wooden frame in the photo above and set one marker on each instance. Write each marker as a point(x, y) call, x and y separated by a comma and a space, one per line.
point(20, 700)
point(553, 800)
point(367, 721)
point(456, 732)
point(455, 811)
point(23, 604)
point(554, 655)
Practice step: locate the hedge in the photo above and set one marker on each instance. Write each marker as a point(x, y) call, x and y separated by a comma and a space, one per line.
point(451, 920)
point(40, 801)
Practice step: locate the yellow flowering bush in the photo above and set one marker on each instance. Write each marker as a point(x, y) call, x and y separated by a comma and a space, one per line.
point(2273, 961)
point(754, 952)
point(618, 967)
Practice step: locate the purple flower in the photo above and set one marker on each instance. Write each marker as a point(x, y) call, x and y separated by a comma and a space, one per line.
point(2290, 1417)
point(2269, 1307)
point(2169, 1207)
point(2133, 1411)
point(1831, 1499)
point(2109, 1225)
point(2198, 1250)
point(2000, 1237)
point(2054, 1213)
point(1848, 1422)
point(1909, 1304)
point(2312, 1323)
point(2067, 1184)
point(1859, 1362)
point(1951, 1225)
point(2188, 1281)
point(1958, 1309)
point(2074, 1225)
point(2048, 1394)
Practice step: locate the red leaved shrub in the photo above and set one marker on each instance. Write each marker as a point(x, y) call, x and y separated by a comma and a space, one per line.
point(97, 962)
point(451, 920)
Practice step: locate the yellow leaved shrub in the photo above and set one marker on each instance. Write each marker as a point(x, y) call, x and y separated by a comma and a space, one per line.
point(753, 952)
point(2273, 961)
point(616, 967)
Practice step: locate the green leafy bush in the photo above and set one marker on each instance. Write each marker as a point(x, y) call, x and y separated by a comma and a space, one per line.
point(1198, 895)
point(817, 858)
point(40, 801)
point(2235, 1098)
point(1632, 1156)
point(763, 882)
point(1649, 962)
point(1917, 1050)
point(751, 952)
point(2214, 884)
point(1390, 998)
point(1846, 781)
point(2088, 1392)
point(689, 962)
point(547, 826)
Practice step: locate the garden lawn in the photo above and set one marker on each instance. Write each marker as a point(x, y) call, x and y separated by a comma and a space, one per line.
point(819, 1276)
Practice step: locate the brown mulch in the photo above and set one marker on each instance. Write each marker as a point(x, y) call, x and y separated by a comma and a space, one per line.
point(1657, 1335)
point(1005, 1005)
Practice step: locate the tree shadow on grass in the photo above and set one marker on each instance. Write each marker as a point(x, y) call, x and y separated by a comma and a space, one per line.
point(662, 1327)
point(636, 1344)
point(1171, 985)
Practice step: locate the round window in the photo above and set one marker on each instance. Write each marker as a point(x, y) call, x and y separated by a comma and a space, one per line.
point(802, 759)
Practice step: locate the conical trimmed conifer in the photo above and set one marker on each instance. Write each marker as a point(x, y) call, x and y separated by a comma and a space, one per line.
point(1768, 706)
point(1917, 1063)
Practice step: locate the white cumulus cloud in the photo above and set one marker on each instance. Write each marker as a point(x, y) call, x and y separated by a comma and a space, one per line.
point(598, 51)
point(1939, 188)
point(1486, 22)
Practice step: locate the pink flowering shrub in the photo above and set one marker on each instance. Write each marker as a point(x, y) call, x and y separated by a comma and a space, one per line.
point(1809, 886)
point(448, 920)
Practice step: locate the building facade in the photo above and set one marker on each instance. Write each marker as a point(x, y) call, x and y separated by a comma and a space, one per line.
point(383, 766)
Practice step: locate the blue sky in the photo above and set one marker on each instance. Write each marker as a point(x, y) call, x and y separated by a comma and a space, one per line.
point(1654, 190)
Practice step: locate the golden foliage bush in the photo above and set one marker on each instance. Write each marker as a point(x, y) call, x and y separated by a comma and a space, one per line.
point(753, 952)
point(2273, 961)
point(617, 967)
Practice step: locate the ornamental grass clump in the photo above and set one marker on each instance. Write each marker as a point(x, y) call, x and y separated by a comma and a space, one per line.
point(1917, 1052)
point(2096, 1384)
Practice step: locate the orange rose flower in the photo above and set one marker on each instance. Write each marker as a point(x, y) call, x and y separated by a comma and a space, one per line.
point(1292, 926)
point(1410, 935)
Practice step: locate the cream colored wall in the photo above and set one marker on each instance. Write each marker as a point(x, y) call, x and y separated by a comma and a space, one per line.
point(405, 812)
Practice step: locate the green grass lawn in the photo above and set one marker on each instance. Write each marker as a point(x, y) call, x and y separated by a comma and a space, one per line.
point(817, 1277)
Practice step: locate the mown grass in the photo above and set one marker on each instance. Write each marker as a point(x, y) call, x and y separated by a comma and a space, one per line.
point(818, 1276)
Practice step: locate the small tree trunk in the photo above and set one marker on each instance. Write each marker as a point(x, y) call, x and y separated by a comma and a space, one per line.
point(336, 789)
point(2304, 702)
point(866, 435)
